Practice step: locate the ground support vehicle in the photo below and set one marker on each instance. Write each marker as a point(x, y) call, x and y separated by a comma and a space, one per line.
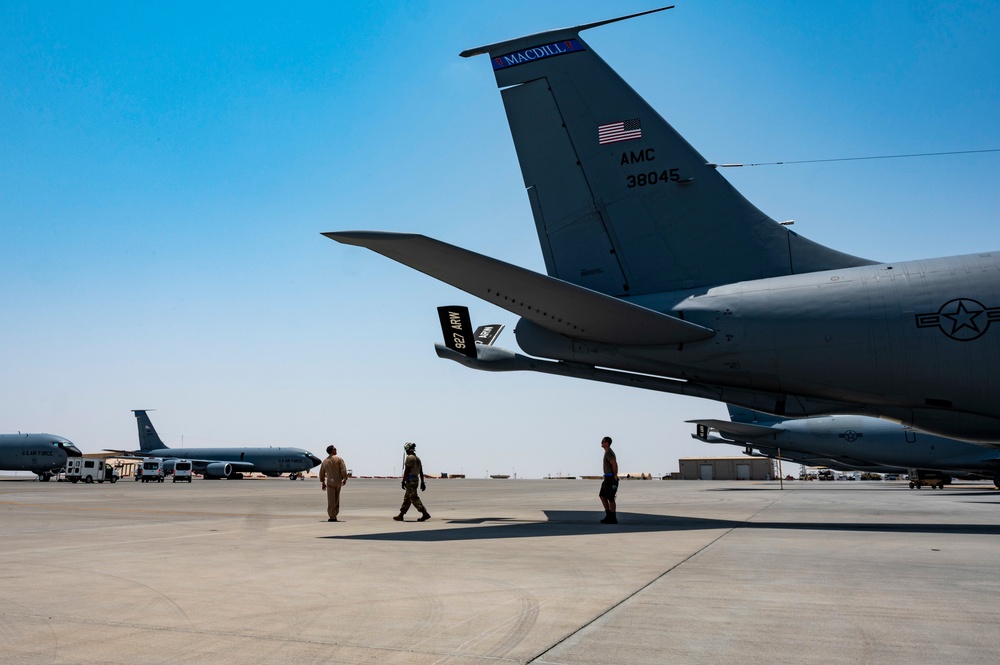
point(183, 470)
point(86, 469)
point(152, 471)
point(934, 479)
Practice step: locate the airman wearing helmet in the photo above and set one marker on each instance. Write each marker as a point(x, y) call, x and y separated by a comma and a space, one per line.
point(413, 477)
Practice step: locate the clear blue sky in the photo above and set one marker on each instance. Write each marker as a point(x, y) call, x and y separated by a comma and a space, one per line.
point(166, 170)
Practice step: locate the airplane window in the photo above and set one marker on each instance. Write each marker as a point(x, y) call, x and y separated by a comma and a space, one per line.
point(70, 449)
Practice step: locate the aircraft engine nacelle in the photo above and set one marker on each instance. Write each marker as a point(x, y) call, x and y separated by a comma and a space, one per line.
point(219, 470)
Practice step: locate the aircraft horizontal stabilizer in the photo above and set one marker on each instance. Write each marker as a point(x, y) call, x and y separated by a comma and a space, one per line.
point(522, 42)
point(712, 439)
point(559, 306)
point(127, 454)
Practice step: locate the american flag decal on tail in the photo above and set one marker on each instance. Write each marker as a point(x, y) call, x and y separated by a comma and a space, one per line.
point(623, 130)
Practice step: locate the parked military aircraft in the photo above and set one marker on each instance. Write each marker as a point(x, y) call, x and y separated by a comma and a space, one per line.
point(662, 276)
point(849, 442)
point(42, 454)
point(221, 462)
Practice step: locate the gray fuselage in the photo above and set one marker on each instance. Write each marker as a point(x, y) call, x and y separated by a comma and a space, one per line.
point(38, 453)
point(907, 341)
point(858, 441)
point(269, 461)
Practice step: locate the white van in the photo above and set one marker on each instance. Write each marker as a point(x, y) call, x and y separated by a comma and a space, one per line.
point(183, 470)
point(152, 471)
point(87, 470)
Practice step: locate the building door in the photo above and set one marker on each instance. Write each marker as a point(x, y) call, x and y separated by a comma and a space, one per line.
point(706, 472)
point(742, 472)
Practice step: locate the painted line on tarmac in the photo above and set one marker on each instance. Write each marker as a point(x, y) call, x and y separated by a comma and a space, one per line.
point(538, 659)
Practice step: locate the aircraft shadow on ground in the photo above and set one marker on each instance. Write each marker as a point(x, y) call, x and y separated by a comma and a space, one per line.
point(586, 523)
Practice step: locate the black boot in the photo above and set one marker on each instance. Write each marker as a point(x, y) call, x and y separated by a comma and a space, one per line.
point(423, 518)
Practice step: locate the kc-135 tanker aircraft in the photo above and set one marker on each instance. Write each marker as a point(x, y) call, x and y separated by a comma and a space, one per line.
point(220, 462)
point(662, 276)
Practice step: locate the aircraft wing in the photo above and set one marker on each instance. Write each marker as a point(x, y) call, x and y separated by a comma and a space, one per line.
point(809, 459)
point(559, 306)
point(815, 459)
point(199, 464)
point(739, 431)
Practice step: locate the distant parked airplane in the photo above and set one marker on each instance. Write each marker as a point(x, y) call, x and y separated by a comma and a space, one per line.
point(222, 462)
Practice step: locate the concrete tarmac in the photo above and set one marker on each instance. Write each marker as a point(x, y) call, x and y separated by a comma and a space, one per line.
point(507, 571)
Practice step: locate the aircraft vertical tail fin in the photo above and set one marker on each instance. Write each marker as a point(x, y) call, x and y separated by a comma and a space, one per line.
point(148, 438)
point(622, 203)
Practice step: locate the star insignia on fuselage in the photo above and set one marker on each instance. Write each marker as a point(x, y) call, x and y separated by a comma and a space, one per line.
point(850, 435)
point(961, 319)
